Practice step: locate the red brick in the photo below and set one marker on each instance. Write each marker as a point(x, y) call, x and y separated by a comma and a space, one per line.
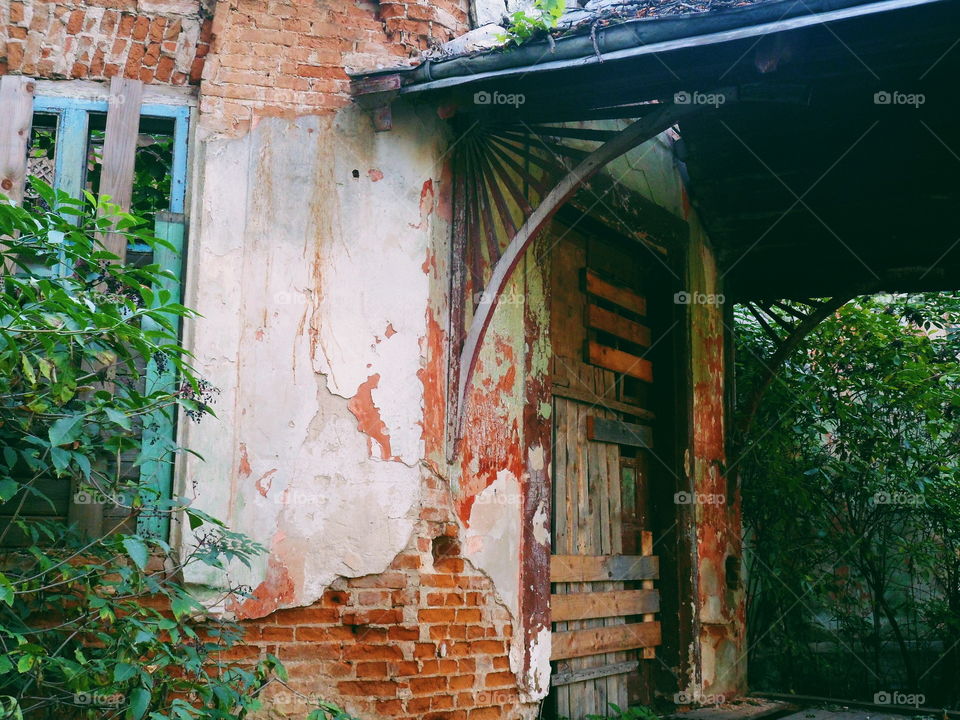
point(488, 713)
point(141, 27)
point(372, 652)
point(308, 616)
point(270, 633)
point(367, 687)
point(500, 679)
point(373, 617)
point(487, 647)
point(372, 670)
point(403, 634)
point(425, 650)
point(462, 682)
point(390, 708)
point(425, 685)
point(75, 23)
point(436, 615)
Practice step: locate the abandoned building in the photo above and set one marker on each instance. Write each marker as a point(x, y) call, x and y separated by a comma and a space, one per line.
point(465, 302)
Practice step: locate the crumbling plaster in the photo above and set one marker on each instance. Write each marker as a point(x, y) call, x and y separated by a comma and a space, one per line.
point(309, 237)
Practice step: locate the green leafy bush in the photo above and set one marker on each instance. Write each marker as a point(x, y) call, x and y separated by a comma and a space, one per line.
point(851, 491)
point(100, 625)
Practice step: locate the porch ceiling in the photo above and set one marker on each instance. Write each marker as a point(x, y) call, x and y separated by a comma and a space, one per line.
point(806, 185)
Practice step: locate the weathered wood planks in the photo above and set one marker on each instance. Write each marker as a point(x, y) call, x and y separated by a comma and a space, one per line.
point(593, 673)
point(619, 361)
point(594, 641)
point(619, 432)
point(624, 297)
point(613, 603)
point(603, 568)
point(607, 321)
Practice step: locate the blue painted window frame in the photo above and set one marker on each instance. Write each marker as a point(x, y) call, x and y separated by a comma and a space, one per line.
point(73, 116)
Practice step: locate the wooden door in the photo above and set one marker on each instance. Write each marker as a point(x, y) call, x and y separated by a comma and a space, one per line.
point(603, 600)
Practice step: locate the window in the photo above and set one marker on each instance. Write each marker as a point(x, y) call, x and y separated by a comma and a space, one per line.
point(66, 149)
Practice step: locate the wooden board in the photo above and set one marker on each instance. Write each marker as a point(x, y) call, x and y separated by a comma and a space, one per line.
point(16, 119)
point(619, 432)
point(119, 150)
point(604, 401)
point(619, 361)
point(614, 603)
point(608, 321)
point(594, 641)
point(592, 673)
point(616, 294)
point(601, 568)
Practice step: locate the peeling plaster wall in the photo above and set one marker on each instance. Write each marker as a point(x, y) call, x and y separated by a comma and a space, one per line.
point(319, 258)
point(309, 238)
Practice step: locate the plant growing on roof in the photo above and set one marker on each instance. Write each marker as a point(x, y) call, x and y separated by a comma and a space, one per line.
point(525, 25)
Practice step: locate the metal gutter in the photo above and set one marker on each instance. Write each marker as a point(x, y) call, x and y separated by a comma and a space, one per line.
point(635, 38)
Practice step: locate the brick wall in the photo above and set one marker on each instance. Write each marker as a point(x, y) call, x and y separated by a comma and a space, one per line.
point(156, 41)
point(424, 640)
point(290, 57)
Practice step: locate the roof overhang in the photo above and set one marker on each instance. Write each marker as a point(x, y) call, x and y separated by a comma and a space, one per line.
point(807, 185)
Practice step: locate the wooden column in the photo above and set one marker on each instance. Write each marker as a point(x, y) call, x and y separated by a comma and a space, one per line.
point(119, 151)
point(16, 119)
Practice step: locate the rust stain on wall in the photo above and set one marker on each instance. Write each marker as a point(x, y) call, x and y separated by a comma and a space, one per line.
point(244, 468)
point(368, 417)
point(432, 378)
point(265, 482)
point(427, 197)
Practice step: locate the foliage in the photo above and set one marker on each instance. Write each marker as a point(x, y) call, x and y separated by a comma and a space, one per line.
point(100, 625)
point(638, 712)
point(524, 26)
point(852, 501)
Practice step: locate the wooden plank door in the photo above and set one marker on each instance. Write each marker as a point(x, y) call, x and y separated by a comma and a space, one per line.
point(602, 601)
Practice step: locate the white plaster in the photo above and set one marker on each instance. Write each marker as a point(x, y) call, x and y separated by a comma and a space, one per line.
point(536, 684)
point(492, 541)
point(310, 281)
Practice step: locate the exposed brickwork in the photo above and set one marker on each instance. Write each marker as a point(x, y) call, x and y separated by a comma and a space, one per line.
point(156, 41)
point(423, 640)
point(291, 57)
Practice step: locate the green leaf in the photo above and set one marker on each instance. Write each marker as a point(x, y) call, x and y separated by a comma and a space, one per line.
point(6, 590)
point(25, 663)
point(123, 671)
point(139, 700)
point(28, 370)
point(8, 488)
point(65, 430)
point(137, 551)
point(118, 417)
